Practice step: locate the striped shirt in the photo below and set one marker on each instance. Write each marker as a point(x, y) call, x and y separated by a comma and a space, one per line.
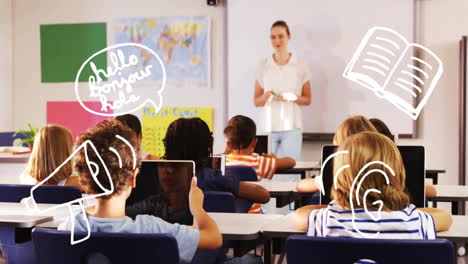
point(334, 221)
point(265, 167)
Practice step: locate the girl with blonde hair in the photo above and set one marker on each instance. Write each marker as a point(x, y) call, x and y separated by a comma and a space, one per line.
point(375, 161)
point(53, 144)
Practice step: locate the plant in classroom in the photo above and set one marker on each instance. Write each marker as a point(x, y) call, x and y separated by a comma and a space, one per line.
point(29, 134)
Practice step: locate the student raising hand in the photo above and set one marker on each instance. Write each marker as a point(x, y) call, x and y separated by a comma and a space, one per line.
point(210, 237)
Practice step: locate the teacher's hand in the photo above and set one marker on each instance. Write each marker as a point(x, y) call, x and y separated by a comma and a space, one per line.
point(267, 95)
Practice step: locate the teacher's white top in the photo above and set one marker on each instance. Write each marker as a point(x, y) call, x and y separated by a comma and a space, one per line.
point(288, 78)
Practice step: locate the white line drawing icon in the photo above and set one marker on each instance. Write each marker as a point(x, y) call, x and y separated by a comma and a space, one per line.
point(94, 170)
point(355, 190)
point(395, 69)
point(319, 179)
point(122, 87)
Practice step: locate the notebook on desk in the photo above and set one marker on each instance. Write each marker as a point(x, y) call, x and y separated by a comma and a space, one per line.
point(414, 163)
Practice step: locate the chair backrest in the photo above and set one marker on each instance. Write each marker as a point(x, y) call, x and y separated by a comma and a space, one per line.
point(15, 250)
point(219, 202)
point(53, 246)
point(332, 250)
point(7, 139)
point(243, 174)
point(13, 193)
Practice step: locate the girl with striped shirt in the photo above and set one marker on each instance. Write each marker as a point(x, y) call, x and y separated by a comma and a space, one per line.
point(369, 197)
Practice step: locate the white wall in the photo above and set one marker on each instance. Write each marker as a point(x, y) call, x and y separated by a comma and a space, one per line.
point(31, 95)
point(442, 23)
point(6, 66)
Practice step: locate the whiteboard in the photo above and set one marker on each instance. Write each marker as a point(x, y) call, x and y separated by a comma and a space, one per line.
point(324, 35)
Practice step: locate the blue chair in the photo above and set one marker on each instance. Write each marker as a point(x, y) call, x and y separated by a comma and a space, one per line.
point(219, 202)
point(53, 246)
point(14, 250)
point(304, 249)
point(243, 174)
point(215, 202)
point(7, 139)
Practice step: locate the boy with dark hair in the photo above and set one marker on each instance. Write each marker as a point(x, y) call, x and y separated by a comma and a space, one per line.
point(109, 212)
point(241, 133)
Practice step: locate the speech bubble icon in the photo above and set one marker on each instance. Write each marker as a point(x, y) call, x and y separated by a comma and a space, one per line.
point(128, 82)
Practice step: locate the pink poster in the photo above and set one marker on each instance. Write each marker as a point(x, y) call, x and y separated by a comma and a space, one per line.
point(72, 116)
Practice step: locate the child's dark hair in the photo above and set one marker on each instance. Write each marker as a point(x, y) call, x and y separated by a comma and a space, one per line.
point(189, 139)
point(131, 122)
point(121, 168)
point(240, 131)
point(382, 128)
point(281, 23)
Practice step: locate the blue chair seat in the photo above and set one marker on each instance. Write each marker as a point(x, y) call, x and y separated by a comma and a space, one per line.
point(243, 174)
point(53, 247)
point(23, 252)
point(333, 250)
point(218, 202)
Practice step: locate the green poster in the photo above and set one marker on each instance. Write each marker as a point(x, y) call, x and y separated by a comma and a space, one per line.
point(64, 48)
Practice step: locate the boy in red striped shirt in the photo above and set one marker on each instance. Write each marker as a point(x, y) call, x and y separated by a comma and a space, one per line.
point(241, 137)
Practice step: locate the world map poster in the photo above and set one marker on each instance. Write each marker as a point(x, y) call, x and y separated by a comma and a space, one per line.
point(182, 43)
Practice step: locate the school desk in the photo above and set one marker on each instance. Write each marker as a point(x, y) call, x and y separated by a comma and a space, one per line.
point(434, 175)
point(284, 192)
point(283, 227)
point(17, 215)
point(233, 226)
point(302, 167)
point(14, 158)
point(456, 194)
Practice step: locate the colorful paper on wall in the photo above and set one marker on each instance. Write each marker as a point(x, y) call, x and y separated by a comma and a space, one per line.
point(182, 42)
point(155, 124)
point(72, 116)
point(65, 47)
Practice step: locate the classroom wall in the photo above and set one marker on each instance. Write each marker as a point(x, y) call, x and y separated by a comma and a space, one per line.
point(442, 23)
point(31, 95)
point(6, 66)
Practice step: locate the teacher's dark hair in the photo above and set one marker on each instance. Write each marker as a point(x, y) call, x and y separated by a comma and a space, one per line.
point(240, 132)
point(281, 23)
point(189, 139)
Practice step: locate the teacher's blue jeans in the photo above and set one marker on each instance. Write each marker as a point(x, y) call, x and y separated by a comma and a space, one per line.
point(287, 143)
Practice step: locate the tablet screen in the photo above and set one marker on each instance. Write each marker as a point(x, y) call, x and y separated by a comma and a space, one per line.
point(262, 144)
point(162, 189)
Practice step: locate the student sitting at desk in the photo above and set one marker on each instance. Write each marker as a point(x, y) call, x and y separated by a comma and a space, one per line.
point(191, 139)
point(241, 134)
point(134, 123)
point(52, 145)
point(349, 127)
point(398, 218)
point(382, 128)
point(109, 212)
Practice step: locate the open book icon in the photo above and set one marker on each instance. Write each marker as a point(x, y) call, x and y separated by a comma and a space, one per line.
point(395, 69)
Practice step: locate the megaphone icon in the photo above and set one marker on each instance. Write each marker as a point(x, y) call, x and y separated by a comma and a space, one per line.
point(93, 167)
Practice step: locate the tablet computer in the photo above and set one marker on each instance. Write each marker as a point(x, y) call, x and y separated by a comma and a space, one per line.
point(162, 189)
point(263, 144)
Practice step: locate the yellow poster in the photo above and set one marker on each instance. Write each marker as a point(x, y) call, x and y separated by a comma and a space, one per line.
point(156, 124)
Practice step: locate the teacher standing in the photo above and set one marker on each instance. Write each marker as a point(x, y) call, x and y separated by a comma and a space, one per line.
point(282, 86)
